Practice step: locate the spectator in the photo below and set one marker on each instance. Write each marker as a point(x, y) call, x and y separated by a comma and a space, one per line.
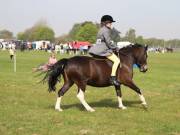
point(11, 53)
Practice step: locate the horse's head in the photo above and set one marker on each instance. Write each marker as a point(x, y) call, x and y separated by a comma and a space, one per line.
point(140, 57)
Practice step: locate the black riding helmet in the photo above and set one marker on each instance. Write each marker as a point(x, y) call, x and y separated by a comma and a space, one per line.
point(106, 18)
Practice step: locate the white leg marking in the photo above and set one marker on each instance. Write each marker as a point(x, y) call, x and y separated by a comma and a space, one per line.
point(142, 99)
point(58, 104)
point(80, 96)
point(121, 104)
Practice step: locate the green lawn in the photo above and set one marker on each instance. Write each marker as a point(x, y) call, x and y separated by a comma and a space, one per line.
point(26, 107)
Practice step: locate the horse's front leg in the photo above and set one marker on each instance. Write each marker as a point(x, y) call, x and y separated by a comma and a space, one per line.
point(119, 96)
point(131, 85)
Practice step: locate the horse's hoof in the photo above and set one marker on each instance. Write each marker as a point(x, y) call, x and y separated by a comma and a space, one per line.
point(145, 106)
point(59, 109)
point(91, 110)
point(123, 107)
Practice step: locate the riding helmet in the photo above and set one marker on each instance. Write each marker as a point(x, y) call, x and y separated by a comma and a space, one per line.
point(107, 18)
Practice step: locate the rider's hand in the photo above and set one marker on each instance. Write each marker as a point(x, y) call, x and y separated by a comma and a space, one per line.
point(116, 49)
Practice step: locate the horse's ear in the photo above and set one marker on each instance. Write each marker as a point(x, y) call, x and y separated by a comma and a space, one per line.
point(146, 47)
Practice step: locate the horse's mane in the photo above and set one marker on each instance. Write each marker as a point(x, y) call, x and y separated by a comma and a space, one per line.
point(130, 47)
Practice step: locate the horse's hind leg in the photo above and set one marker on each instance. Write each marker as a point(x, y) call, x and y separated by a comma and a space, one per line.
point(137, 90)
point(61, 92)
point(119, 95)
point(80, 96)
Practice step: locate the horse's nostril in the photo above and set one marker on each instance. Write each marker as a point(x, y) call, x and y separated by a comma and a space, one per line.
point(145, 69)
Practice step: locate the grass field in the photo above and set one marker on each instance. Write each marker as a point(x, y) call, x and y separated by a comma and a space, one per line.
point(26, 108)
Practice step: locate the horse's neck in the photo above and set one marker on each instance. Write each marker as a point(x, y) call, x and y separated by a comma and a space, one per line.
point(127, 60)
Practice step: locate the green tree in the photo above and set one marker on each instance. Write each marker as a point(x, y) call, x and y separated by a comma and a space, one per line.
point(140, 40)
point(175, 43)
point(72, 34)
point(63, 39)
point(155, 42)
point(40, 31)
point(130, 35)
point(21, 36)
point(87, 32)
point(6, 34)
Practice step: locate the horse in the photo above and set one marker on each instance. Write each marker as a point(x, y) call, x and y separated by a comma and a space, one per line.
point(86, 70)
point(169, 49)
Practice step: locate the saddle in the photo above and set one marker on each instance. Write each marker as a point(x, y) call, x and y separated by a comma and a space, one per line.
point(103, 57)
point(98, 57)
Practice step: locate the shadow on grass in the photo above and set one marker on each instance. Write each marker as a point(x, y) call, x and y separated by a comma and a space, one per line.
point(107, 103)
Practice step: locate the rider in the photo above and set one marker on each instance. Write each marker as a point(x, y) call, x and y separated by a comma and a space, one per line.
point(105, 46)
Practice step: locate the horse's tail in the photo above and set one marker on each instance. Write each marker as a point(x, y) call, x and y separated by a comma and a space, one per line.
point(54, 72)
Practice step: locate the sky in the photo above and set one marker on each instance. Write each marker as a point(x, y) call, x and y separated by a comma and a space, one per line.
point(150, 18)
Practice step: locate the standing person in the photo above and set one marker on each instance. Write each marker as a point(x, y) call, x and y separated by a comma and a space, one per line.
point(11, 53)
point(45, 67)
point(105, 46)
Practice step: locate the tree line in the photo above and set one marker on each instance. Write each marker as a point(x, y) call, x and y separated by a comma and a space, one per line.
point(85, 31)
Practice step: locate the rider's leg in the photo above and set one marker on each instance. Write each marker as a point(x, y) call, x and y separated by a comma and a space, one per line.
point(116, 63)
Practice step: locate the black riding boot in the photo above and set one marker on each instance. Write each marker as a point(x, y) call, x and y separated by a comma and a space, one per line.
point(114, 81)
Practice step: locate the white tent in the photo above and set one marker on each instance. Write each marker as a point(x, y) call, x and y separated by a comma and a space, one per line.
point(39, 44)
point(1, 40)
point(123, 44)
